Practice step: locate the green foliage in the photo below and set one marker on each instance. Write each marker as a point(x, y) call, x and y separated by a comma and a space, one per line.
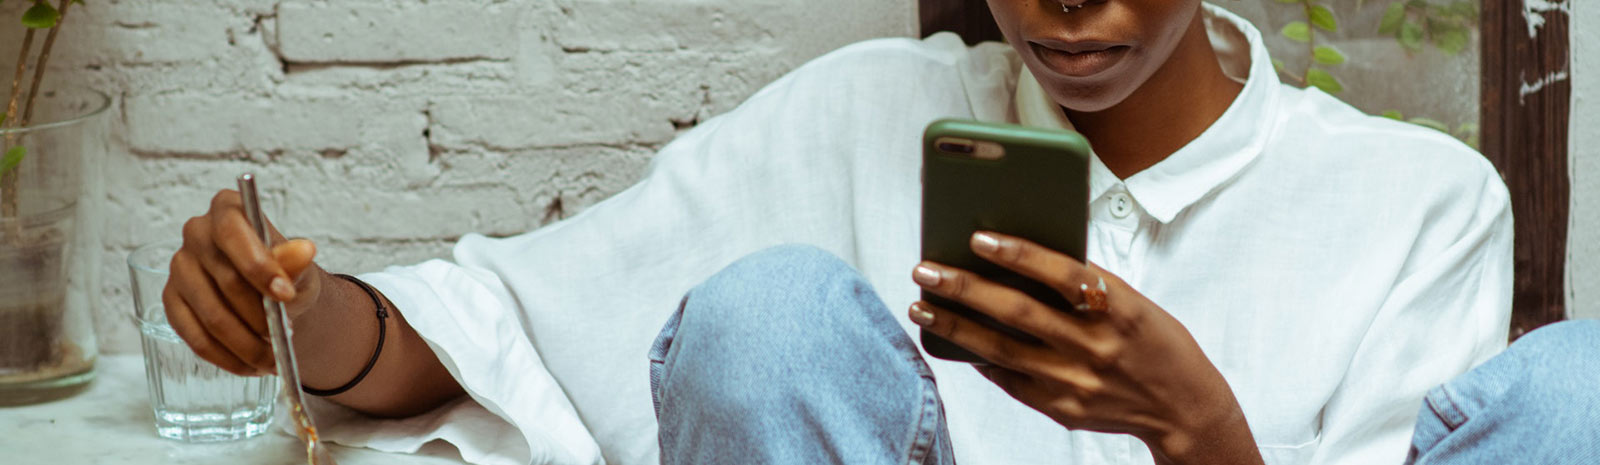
point(1297, 31)
point(40, 16)
point(1467, 132)
point(1415, 23)
point(1410, 35)
point(1327, 55)
point(1323, 80)
point(1430, 123)
point(1392, 18)
point(1322, 18)
point(1447, 25)
point(12, 159)
point(1318, 16)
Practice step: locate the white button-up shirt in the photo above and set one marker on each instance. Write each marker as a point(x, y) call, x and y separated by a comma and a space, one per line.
point(1333, 265)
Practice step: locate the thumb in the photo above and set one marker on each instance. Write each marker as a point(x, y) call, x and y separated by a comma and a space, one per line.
point(294, 256)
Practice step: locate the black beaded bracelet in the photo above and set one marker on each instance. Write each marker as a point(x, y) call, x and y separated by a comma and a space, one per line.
point(383, 329)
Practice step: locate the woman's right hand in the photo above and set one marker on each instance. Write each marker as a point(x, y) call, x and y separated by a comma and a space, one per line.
point(214, 296)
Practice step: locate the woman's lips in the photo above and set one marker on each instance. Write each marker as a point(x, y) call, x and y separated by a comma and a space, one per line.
point(1083, 60)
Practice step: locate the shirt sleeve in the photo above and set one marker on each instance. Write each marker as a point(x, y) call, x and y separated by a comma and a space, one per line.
point(549, 331)
point(515, 413)
point(1449, 312)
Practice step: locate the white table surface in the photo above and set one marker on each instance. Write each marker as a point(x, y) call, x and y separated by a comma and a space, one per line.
point(111, 423)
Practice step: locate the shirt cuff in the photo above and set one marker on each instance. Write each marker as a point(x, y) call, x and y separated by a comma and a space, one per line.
point(478, 336)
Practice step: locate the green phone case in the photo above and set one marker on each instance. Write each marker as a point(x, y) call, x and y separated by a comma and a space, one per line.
point(1038, 190)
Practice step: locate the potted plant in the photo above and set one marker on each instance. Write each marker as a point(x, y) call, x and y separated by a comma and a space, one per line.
point(47, 346)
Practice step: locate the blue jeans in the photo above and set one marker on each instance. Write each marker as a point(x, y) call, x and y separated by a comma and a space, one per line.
point(1538, 402)
point(787, 356)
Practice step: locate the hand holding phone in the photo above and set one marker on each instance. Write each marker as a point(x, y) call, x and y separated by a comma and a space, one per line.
point(1026, 182)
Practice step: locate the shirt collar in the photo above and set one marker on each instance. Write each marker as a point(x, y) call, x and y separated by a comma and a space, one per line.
point(1207, 162)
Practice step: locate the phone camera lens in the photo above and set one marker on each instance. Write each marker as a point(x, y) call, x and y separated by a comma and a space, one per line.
point(954, 147)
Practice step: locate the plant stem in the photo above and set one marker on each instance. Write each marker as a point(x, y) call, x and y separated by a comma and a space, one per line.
point(44, 59)
point(10, 201)
point(8, 183)
point(16, 82)
point(1311, 41)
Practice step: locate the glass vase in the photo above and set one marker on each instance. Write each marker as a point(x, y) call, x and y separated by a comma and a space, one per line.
point(47, 341)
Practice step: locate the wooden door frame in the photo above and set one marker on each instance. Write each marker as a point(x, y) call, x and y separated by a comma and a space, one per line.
point(1526, 97)
point(1525, 103)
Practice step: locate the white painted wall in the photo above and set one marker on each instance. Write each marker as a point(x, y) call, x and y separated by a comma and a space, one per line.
point(1583, 236)
point(385, 129)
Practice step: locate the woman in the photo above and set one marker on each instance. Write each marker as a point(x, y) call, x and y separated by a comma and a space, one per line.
point(1284, 277)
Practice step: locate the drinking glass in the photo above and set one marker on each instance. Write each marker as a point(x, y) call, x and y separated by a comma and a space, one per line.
point(193, 400)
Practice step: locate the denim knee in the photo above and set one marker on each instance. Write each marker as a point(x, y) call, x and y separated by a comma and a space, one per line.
point(777, 292)
point(1534, 402)
point(780, 312)
point(1560, 361)
point(1548, 364)
point(788, 356)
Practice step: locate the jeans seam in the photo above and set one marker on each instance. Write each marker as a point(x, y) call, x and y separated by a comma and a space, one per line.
point(660, 351)
point(923, 432)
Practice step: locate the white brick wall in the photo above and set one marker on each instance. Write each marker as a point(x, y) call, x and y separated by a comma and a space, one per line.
point(385, 129)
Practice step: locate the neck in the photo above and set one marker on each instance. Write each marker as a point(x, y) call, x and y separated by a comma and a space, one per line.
point(1183, 98)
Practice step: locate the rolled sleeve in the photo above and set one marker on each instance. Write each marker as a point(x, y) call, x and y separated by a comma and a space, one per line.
point(515, 412)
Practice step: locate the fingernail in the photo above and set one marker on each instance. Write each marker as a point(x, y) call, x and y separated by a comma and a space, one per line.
point(920, 315)
point(283, 289)
point(983, 242)
point(925, 275)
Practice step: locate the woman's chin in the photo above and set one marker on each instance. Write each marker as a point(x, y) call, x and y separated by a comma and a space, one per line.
point(1088, 99)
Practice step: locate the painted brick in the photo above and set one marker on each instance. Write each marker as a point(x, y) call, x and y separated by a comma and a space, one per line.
point(152, 32)
point(207, 124)
point(323, 32)
point(547, 120)
point(727, 25)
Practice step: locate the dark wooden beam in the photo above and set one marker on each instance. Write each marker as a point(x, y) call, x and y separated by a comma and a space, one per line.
point(1526, 96)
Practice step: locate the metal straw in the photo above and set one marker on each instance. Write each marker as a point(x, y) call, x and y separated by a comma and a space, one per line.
point(282, 348)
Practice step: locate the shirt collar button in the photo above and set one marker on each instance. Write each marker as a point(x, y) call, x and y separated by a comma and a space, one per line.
point(1121, 205)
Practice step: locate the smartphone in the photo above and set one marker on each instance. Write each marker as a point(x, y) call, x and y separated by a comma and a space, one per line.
point(1027, 182)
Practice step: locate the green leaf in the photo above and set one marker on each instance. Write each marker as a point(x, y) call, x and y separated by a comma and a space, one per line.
point(1411, 35)
point(1451, 38)
point(1394, 115)
point(12, 159)
point(1323, 18)
point(1392, 18)
point(1465, 10)
point(1297, 31)
point(40, 16)
point(1431, 123)
point(1322, 80)
point(2, 114)
point(1327, 55)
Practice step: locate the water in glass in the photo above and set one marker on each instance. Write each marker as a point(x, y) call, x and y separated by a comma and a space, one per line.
point(194, 400)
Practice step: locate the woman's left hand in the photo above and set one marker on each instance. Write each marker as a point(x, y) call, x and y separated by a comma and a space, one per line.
point(1127, 367)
